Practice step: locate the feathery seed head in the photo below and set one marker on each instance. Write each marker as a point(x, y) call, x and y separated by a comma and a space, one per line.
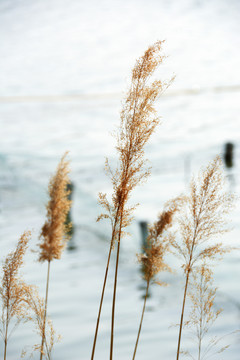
point(158, 242)
point(54, 231)
point(138, 122)
point(13, 290)
point(203, 217)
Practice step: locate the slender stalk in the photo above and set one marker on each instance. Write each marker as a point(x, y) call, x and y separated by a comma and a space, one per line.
point(114, 298)
point(140, 326)
point(45, 311)
point(101, 302)
point(200, 331)
point(189, 267)
point(199, 349)
point(104, 283)
point(182, 314)
point(6, 337)
point(6, 329)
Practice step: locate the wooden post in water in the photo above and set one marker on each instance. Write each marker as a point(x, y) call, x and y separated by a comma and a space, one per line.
point(228, 155)
point(144, 233)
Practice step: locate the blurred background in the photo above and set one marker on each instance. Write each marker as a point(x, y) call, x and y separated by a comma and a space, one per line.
point(65, 66)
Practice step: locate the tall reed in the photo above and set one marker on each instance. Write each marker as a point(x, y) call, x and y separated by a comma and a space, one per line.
point(158, 245)
point(202, 218)
point(14, 292)
point(138, 122)
point(54, 234)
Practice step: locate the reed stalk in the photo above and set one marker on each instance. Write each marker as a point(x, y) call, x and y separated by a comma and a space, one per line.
point(104, 286)
point(6, 331)
point(100, 305)
point(182, 315)
point(189, 268)
point(45, 312)
point(141, 321)
point(114, 301)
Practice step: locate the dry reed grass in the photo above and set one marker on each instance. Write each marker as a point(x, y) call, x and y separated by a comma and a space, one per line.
point(55, 231)
point(14, 291)
point(138, 122)
point(200, 216)
point(158, 245)
point(42, 325)
point(203, 313)
point(202, 219)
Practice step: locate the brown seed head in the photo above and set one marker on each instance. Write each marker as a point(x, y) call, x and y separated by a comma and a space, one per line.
point(54, 231)
point(158, 242)
point(138, 122)
point(14, 291)
point(203, 217)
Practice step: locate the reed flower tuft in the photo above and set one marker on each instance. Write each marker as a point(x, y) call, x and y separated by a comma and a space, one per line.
point(14, 292)
point(54, 231)
point(43, 326)
point(158, 245)
point(202, 219)
point(159, 240)
point(203, 313)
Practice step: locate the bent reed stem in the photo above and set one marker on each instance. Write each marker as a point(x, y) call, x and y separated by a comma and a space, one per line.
point(140, 325)
point(45, 311)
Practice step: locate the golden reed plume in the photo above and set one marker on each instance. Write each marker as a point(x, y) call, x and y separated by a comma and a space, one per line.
point(43, 326)
point(158, 245)
point(202, 218)
point(138, 122)
point(203, 313)
point(14, 292)
point(55, 232)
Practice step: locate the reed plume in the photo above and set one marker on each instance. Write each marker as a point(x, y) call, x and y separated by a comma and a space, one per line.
point(203, 314)
point(43, 325)
point(13, 291)
point(54, 234)
point(138, 122)
point(203, 218)
point(158, 245)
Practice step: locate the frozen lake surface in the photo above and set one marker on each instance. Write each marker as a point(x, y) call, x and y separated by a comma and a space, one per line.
point(64, 70)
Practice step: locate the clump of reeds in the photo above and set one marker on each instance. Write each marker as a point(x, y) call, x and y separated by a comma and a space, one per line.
point(202, 218)
point(54, 234)
point(138, 122)
point(14, 291)
point(153, 257)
